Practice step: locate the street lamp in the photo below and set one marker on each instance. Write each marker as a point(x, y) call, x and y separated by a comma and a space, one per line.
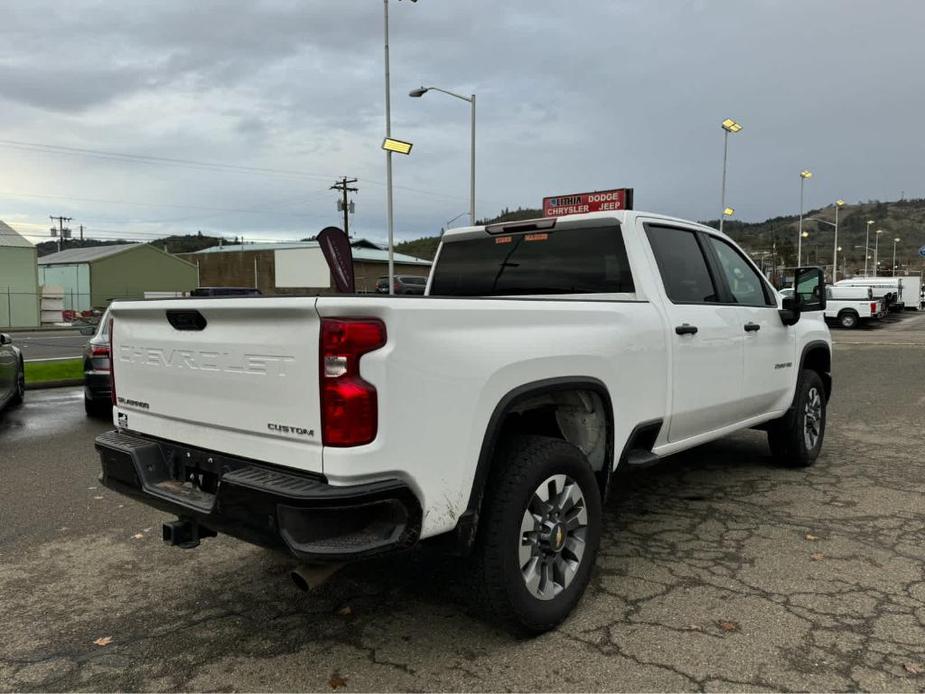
point(804, 174)
point(838, 203)
point(421, 91)
point(876, 249)
point(728, 212)
point(388, 152)
point(895, 241)
point(867, 244)
point(729, 126)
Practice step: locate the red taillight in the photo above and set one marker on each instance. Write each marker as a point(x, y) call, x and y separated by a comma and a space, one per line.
point(873, 308)
point(349, 410)
point(112, 369)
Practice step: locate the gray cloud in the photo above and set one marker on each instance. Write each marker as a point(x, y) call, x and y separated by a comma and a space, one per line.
point(572, 96)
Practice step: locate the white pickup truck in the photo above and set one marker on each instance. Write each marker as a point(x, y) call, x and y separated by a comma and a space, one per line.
point(489, 415)
point(850, 306)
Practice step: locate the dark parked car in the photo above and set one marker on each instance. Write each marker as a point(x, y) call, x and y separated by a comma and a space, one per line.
point(404, 284)
point(225, 291)
point(98, 372)
point(12, 373)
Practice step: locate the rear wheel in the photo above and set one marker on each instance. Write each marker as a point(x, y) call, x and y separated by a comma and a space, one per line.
point(538, 534)
point(796, 438)
point(101, 409)
point(20, 393)
point(848, 319)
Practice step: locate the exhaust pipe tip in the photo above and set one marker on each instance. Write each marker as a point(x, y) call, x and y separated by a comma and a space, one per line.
point(299, 580)
point(308, 578)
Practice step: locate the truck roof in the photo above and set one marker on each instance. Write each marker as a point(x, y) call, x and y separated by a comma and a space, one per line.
point(620, 215)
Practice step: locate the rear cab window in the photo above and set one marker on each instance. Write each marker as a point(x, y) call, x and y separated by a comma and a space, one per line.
point(563, 260)
point(682, 265)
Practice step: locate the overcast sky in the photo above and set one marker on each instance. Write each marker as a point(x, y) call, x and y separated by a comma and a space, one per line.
point(572, 96)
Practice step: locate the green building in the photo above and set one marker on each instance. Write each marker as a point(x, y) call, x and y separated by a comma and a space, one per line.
point(19, 287)
point(92, 277)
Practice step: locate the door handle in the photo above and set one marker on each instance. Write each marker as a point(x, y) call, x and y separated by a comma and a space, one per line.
point(752, 327)
point(686, 329)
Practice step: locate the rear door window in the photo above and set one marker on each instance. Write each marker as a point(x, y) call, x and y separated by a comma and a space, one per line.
point(583, 260)
point(682, 265)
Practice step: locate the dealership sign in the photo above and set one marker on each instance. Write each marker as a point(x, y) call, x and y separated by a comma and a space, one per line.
point(597, 201)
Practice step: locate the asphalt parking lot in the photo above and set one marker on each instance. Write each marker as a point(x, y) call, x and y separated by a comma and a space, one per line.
point(718, 570)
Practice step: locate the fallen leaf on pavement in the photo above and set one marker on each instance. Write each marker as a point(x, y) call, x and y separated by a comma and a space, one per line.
point(695, 627)
point(337, 680)
point(811, 537)
point(137, 536)
point(816, 556)
point(103, 641)
point(97, 497)
point(914, 668)
point(728, 626)
point(345, 611)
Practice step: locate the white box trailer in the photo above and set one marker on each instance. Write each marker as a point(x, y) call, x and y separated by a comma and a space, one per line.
point(900, 292)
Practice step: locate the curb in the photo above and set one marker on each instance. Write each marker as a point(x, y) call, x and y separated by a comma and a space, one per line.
point(67, 382)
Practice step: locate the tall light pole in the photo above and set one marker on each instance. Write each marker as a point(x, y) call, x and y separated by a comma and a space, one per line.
point(388, 153)
point(804, 174)
point(867, 245)
point(877, 249)
point(421, 91)
point(838, 203)
point(729, 126)
point(895, 241)
point(388, 156)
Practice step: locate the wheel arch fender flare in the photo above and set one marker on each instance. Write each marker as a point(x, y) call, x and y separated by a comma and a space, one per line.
point(468, 521)
point(817, 356)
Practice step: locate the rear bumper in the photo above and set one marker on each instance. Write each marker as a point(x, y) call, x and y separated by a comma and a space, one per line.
point(260, 503)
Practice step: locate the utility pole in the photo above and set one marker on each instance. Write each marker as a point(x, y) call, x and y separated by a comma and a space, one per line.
point(61, 232)
point(81, 234)
point(343, 185)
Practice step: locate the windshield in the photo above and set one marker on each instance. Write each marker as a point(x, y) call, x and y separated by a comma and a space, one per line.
point(586, 260)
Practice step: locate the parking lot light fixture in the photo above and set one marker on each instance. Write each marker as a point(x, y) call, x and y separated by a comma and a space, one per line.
point(838, 204)
point(867, 243)
point(729, 126)
point(421, 91)
point(877, 249)
point(728, 212)
point(804, 174)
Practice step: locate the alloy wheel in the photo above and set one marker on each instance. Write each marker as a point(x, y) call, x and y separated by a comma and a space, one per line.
point(812, 418)
point(552, 536)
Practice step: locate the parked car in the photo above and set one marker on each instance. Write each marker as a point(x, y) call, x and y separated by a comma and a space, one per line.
point(850, 306)
point(225, 291)
point(12, 373)
point(488, 417)
point(404, 284)
point(98, 372)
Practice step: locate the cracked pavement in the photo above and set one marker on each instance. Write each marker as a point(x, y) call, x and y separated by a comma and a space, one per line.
point(717, 571)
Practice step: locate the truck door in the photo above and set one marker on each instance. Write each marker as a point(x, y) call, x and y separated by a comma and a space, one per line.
point(706, 336)
point(769, 364)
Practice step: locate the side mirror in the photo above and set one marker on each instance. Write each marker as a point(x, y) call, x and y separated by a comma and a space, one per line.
point(809, 288)
point(5, 339)
point(790, 310)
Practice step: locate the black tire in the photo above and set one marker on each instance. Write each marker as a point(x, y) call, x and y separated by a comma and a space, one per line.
point(848, 319)
point(499, 586)
point(788, 436)
point(99, 409)
point(20, 393)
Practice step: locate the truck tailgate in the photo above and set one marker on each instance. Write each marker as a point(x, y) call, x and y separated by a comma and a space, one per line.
point(235, 375)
